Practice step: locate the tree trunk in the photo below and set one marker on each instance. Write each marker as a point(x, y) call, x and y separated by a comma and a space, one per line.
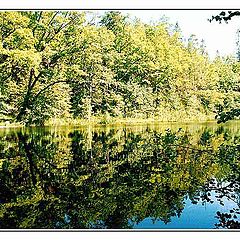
point(25, 105)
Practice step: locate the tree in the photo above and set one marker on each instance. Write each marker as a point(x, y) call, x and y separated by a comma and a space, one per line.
point(228, 113)
point(63, 64)
point(35, 50)
point(91, 70)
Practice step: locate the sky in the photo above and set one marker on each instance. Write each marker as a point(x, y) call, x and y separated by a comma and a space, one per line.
point(221, 37)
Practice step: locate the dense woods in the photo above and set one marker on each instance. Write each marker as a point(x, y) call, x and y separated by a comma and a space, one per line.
point(74, 65)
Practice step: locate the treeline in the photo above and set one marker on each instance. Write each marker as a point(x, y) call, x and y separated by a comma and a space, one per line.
point(74, 65)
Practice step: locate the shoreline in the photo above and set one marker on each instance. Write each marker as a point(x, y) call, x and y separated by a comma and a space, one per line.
point(113, 122)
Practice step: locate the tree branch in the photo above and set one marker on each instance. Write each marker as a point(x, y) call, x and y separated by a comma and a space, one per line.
point(48, 86)
point(61, 28)
point(224, 15)
point(42, 37)
point(36, 78)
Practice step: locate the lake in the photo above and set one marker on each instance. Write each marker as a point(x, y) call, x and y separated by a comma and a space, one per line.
point(162, 176)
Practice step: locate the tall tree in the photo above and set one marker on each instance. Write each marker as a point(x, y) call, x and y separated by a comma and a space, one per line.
point(35, 49)
point(228, 112)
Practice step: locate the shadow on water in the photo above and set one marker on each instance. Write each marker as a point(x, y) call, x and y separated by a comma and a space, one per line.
point(152, 176)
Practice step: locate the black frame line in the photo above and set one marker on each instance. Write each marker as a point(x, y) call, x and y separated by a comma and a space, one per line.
point(109, 9)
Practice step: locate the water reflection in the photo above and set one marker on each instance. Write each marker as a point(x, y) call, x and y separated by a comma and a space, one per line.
point(128, 177)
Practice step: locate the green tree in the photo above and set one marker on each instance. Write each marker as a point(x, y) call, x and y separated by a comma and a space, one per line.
point(35, 48)
point(227, 112)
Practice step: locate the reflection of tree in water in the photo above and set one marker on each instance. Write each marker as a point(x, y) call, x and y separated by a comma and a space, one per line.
point(227, 185)
point(112, 179)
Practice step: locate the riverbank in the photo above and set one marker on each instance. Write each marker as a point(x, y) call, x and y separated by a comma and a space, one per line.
point(101, 121)
point(10, 125)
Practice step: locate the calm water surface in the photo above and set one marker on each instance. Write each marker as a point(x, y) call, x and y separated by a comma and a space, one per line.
point(180, 176)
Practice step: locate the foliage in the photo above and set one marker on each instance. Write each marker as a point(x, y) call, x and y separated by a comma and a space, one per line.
point(66, 65)
point(226, 113)
point(225, 15)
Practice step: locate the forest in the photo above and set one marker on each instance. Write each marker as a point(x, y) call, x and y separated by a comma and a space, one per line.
point(62, 67)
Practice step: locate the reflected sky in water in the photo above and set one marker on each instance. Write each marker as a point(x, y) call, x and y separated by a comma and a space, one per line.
point(194, 216)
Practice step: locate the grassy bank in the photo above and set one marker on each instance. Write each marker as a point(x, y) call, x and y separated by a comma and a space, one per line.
point(178, 116)
point(101, 121)
point(8, 124)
